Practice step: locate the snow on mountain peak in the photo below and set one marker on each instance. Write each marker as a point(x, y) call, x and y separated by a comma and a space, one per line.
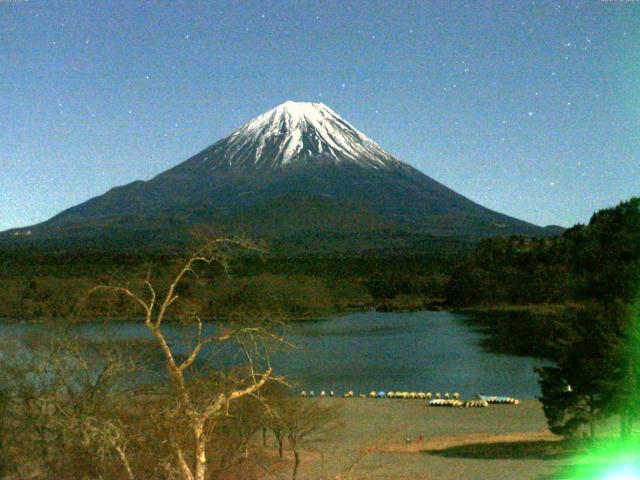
point(298, 131)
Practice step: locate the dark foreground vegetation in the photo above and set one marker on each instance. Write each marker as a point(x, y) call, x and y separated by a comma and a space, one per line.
point(74, 408)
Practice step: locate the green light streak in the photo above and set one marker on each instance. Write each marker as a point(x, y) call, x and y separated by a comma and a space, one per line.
point(615, 458)
point(612, 459)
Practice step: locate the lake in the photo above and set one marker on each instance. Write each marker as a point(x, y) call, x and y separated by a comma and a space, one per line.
point(416, 351)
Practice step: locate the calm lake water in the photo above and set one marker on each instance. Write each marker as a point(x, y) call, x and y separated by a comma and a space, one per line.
point(417, 351)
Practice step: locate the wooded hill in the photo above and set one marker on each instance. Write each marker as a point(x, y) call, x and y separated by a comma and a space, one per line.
point(594, 262)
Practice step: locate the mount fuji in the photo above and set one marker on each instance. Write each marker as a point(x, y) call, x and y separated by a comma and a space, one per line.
point(296, 171)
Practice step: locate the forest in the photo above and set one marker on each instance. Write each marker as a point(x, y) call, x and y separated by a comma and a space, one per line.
point(597, 261)
point(44, 284)
point(578, 306)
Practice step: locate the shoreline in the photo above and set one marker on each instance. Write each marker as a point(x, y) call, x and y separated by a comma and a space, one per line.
point(407, 439)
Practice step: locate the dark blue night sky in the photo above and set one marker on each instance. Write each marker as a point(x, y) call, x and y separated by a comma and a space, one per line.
point(529, 108)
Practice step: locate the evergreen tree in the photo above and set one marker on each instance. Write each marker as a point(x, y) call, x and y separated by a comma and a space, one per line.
point(597, 362)
point(585, 381)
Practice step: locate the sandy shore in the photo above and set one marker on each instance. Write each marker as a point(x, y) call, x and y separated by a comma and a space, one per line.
point(406, 439)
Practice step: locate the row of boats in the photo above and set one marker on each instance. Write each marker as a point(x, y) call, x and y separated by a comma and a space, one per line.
point(481, 401)
point(435, 400)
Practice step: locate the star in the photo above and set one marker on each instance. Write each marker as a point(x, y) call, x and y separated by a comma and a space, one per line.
point(530, 114)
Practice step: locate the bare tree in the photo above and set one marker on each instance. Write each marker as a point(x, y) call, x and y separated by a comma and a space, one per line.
point(301, 421)
point(57, 385)
point(306, 421)
point(196, 411)
point(109, 437)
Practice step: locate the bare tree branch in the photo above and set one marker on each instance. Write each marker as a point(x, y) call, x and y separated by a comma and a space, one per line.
point(196, 413)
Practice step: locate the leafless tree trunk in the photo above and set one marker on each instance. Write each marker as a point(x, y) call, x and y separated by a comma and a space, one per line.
point(302, 422)
point(280, 439)
point(196, 414)
point(296, 461)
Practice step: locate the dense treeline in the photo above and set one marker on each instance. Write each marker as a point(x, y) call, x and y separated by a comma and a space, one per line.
point(37, 284)
point(598, 261)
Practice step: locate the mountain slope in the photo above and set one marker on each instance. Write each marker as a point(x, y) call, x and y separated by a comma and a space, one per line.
point(263, 178)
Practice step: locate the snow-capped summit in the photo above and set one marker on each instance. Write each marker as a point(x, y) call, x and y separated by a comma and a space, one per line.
point(295, 132)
